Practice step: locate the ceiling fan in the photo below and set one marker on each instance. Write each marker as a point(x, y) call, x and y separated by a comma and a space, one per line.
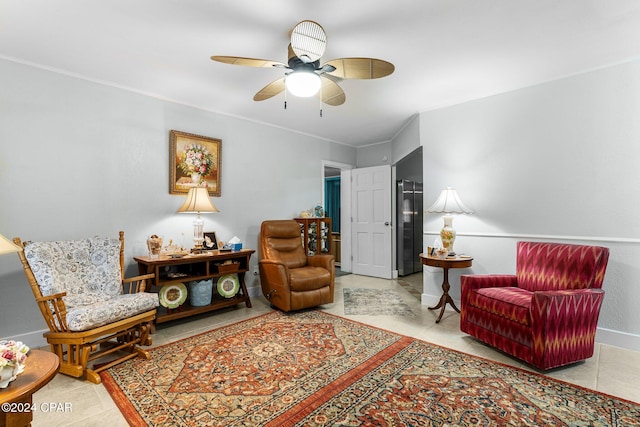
point(304, 76)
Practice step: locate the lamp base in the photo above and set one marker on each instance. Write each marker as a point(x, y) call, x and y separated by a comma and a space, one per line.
point(198, 234)
point(448, 234)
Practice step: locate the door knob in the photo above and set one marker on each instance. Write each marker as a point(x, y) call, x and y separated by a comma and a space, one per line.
point(386, 223)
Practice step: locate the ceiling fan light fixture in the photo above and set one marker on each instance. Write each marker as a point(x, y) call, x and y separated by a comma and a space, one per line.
point(303, 83)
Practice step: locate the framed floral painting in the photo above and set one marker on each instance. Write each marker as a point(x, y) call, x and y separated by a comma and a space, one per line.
point(194, 160)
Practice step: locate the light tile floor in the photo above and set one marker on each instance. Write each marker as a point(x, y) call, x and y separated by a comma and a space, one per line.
point(611, 370)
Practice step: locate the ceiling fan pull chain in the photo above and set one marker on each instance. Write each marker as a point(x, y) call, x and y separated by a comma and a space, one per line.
point(285, 96)
point(320, 99)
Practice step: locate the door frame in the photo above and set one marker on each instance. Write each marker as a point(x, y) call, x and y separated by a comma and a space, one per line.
point(345, 214)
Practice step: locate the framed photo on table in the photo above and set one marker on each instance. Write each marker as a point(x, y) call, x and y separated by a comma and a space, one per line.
point(194, 160)
point(210, 240)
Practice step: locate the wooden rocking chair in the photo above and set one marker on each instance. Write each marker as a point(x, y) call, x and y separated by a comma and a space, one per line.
point(90, 308)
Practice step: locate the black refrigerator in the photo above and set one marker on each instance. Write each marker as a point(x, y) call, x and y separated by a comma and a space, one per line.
point(409, 229)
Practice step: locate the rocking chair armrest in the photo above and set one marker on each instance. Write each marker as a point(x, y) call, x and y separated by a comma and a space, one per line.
point(137, 283)
point(57, 296)
point(54, 311)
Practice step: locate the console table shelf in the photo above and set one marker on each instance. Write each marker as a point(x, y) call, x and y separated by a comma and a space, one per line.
point(212, 265)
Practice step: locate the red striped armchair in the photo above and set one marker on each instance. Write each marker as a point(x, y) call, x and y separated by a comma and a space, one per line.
point(547, 313)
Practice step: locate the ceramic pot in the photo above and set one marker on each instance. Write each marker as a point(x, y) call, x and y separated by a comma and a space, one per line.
point(7, 374)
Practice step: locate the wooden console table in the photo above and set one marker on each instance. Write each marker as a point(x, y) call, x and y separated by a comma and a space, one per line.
point(445, 264)
point(189, 268)
point(17, 398)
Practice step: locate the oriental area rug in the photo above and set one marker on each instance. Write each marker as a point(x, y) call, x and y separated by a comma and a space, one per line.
point(315, 369)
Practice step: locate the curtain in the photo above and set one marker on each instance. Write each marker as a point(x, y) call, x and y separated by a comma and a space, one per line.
point(332, 201)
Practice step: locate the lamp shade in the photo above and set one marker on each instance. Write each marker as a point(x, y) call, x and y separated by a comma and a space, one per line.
point(198, 201)
point(303, 83)
point(7, 246)
point(449, 202)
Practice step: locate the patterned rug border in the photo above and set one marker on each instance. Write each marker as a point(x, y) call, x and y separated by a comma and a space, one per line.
point(124, 404)
point(486, 359)
point(503, 364)
point(135, 420)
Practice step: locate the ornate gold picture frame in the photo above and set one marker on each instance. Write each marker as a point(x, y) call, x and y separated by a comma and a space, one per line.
point(194, 160)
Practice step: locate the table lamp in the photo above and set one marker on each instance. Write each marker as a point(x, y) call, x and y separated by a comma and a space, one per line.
point(198, 202)
point(7, 246)
point(448, 203)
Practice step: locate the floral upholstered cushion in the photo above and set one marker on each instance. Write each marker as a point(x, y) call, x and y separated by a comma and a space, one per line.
point(81, 318)
point(87, 270)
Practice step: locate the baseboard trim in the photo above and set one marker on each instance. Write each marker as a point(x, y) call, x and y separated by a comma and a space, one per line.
point(32, 339)
point(618, 339)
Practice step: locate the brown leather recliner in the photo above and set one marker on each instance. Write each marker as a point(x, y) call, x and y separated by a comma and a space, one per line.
point(290, 279)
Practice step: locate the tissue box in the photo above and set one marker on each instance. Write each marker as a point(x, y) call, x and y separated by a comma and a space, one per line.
point(235, 246)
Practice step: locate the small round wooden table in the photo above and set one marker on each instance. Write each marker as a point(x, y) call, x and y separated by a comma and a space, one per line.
point(445, 264)
point(40, 368)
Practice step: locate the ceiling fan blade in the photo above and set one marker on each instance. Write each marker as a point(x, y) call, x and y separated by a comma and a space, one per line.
point(360, 68)
point(309, 40)
point(332, 94)
point(272, 89)
point(248, 62)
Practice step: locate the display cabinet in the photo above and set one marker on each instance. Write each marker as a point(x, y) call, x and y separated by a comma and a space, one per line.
point(316, 235)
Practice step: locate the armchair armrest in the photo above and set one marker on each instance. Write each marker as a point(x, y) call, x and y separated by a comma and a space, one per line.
point(54, 311)
point(274, 273)
point(470, 282)
point(567, 318)
point(132, 285)
point(477, 281)
point(324, 261)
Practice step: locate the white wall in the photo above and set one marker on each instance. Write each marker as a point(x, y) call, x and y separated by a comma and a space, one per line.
point(79, 159)
point(407, 140)
point(374, 155)
point(558, 161)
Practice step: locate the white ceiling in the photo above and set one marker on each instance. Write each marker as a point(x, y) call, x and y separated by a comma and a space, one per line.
point(445, 51)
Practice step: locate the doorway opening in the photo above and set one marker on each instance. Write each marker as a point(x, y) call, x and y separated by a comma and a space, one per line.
point(409, 219)
point(332, 200)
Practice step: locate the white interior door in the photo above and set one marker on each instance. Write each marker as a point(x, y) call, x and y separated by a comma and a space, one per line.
point(371, 221)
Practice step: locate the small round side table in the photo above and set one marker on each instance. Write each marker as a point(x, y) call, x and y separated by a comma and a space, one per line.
point(40, 368)
point(445, 264)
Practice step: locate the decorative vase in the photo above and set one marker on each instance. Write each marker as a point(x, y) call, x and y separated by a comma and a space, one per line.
point(448, 234)
point(195, 178)
point(7, 374)
point(154, 244)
